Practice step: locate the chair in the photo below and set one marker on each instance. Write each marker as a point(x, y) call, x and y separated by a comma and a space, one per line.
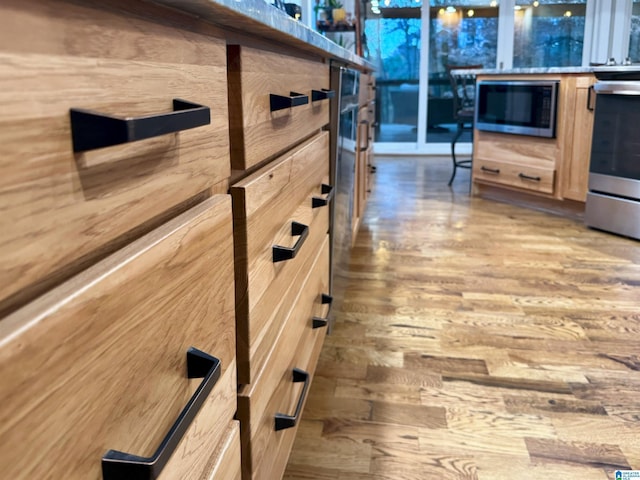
point(463, 88)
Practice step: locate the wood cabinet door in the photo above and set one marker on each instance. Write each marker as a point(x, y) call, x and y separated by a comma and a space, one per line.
point(576, 160)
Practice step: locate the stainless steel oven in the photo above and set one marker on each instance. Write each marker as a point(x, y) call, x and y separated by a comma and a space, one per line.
point(613, 200)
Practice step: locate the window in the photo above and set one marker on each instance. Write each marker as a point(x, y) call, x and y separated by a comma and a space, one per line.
point(393, 44)
point(634, 36)
point(548, 33)
point(464, 32)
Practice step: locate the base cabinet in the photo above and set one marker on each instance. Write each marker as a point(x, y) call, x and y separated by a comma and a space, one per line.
point(165, 260)
point(554, 169)
point(577, 144)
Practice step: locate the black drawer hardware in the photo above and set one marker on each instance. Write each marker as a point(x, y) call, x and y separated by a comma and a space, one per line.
point(323, 202)
point(125, 466)
point(91, 130)
point(281, 253)
point(287, 421)
point(590, 106)
point(366, 147)
point(322, 94)
point(318, 322)
point(278, 102)
point(495, 171)
point(527, 177)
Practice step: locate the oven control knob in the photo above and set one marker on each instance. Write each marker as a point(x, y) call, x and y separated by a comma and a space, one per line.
point(611, 61)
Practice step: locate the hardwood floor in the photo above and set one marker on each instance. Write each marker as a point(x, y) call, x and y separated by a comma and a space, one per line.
point(478, 340)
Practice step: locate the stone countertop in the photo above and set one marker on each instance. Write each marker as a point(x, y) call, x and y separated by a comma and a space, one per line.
point(257, 17)
point(527, 71)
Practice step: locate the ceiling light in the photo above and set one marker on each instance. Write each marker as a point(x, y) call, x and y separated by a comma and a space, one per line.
point(441, 11)
point(517, 7)
point(470, 13)
point(450, 9)
point(494, 3)
point(536, 3)
point(567, 13)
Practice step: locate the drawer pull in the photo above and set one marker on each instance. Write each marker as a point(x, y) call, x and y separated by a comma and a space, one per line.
point(495, 171)
point(323, 202)
point(287, 421)
point(125, 466)
point(318, 322)
point(281, 253)
point(322, 94)
point(91, 130)
point(279, 102)
point(527, 177)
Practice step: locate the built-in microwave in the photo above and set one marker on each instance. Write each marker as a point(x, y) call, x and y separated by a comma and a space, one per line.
point(522, 107)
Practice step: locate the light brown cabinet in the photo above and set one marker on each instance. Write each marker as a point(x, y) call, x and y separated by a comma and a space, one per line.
point(577, 142)
point(365, 138)
point(116, 245)
point(281, 225)
point(554, 169)
point(164, 245)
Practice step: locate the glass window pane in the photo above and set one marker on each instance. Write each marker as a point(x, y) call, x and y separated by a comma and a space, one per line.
point(548, 33)
point(634, 37)
point(393, 45)
point(464, 32)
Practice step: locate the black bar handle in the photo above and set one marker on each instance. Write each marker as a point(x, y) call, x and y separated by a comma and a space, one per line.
point(323, 94)
point(318, 322)
point(366, 147)
point(91, 130)
point(527, 177)
point(279, 102)
point(281, 253)
point(495, 171)
point(287, 421)
point(327, 190)
point(590, 105)
point(125, 466)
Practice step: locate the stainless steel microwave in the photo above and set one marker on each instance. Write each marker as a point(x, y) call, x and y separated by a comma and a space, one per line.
point(521, 107)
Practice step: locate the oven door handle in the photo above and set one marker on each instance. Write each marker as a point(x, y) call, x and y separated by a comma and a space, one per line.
point(617, 88)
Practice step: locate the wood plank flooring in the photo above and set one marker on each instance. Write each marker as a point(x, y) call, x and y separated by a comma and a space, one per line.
point(478, 341)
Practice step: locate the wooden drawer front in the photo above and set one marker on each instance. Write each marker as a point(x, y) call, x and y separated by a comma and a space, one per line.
point(226, 464)
point(530, 178)
point(99, 363)
point(265, 205)
point(258, 133)
point(265, 451)
point(63, 210)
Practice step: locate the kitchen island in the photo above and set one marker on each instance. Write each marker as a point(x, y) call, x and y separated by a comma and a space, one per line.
point(164, 236)
point(547, 173)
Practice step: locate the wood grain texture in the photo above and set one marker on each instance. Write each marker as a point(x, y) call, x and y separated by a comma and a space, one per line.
point(540, 179)
point(226, 462)
point(576, 147)
point(265, 205)
point(99, 363)
point(61, 211)
point(499, 342)
point(265, 451)
point(254, 74)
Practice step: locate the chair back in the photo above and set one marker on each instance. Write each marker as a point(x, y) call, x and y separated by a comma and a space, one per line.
point(463, 86)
